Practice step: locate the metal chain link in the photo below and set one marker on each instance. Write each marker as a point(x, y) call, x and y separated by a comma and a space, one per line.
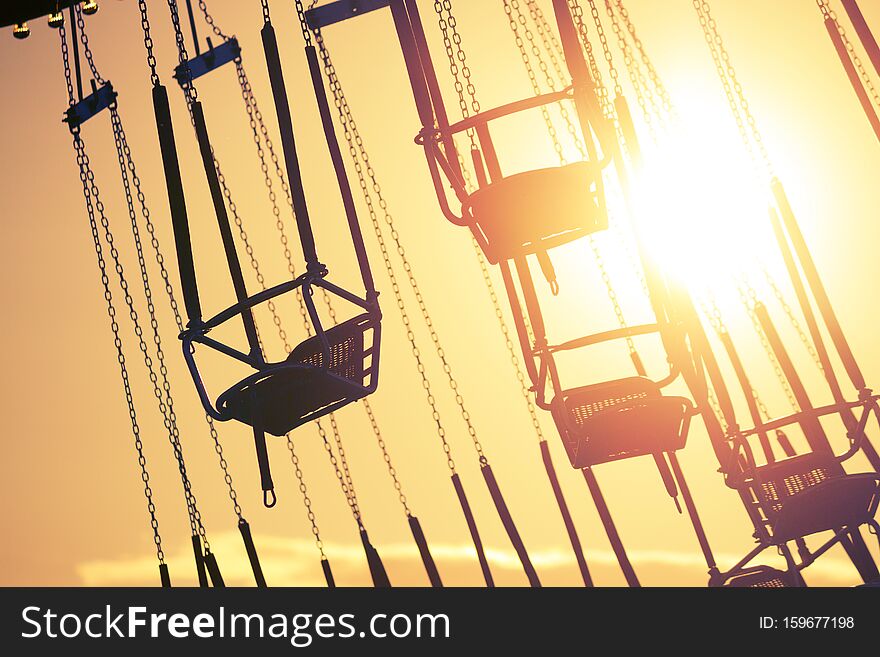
point(655, 78)
point(458, 66)
point(148, 42)
point(84, 39)
point(307, 501)
point(210, 20)
point(365, 170)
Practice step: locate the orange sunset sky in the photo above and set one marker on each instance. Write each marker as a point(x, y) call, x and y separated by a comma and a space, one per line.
point(73, 508)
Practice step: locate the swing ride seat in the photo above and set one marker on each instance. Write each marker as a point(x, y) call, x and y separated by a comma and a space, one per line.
point(811, 493)
point(759, 577)
point(620, 419)
point(307, 384)
point(535, 210)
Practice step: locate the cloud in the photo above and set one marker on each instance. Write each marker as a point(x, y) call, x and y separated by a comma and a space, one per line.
point(295, 562)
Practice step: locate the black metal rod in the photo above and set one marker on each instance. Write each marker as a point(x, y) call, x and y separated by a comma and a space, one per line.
point(424, 551)
point(509, 525)
point(864, 32)
point(605, 515)
point(374, 561)
point(214, 570)
point(472, 527)
point(328, 573)
point(177, 203)
point(192, 27)
point(164, 576)
point(566, 514)
point(288, 146)
point(813, 430)
point(75, 44)
point(692, 512)
point(245, 529)
point(200, 561)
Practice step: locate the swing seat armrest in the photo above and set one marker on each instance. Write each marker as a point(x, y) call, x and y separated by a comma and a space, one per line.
point(605, 336)
point(304, 280)
point(507, 109)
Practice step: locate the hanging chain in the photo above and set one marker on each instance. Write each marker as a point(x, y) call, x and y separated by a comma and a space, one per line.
point(606, 50)
point(829, 13)
point(458, 66)
point(656, 81)
point(86, 178)
point(727, 73)
point(210, 20)
point(307, 501)
point(189, 89)
point(84, 39)
point(148, 42)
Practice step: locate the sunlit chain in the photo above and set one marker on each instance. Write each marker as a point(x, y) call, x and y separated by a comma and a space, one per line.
point(189, 89)
point(577, 13)
point(84, 39)
point(307, 501)
point(86, 175)
point(726, 71)
point(364, 170)
point(644, 96)
point(659, 87)
point(554, 51)
point(258, 129)
point(169, 292)
point(165, 401)
point(789, 312)
point(606, 50)
point(748, 298)
point(458, 67)
point(515, 17)
point(828, 12)
point(303, 23)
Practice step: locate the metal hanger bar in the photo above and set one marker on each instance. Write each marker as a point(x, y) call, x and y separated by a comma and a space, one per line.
point(342, 10)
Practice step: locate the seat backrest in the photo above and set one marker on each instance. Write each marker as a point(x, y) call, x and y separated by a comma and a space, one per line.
point(592, 399)
point(346, 342)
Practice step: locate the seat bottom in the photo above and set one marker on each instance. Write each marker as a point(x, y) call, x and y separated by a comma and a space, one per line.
point(618, 420)
point(848, 500)
point(281, 399)
point(535, 210)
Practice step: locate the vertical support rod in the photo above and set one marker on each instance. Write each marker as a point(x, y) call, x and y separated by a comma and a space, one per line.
point(226, 236)
point(177, 203)
point(472, 527)
point(245, 529)
point(427, 559)
point(692, 512)
point(864, 32)
point(354, 226)
point(616, 544)
point(288, 146)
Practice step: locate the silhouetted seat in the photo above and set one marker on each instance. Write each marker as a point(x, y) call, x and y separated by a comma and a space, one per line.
point(308, 383)
point(811, 493)
point(760, 577)
point(620, 419)
point(535, 210)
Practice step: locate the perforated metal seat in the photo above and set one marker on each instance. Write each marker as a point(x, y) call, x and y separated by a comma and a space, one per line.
point(620, 419)
point(811, 493)
point(307, 385)
point(760, 577)
point(536, 210)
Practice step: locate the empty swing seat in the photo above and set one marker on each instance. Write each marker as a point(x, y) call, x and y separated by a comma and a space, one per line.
point(812, 493)
point(759, 577)
point(620, 419)
point(306, 385)
point(535, 210)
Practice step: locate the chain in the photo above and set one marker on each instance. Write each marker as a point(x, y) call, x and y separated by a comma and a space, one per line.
point(68, 78)
point(786, 308)
point(748, 298)
point(657, 82)
point(189, 89)
point(169, 292)
point(511, 6)
point(210, 20)
point(84, 39)
point(86, 178)
point(365, 170)
point(644, 96)
point(577, 13)
point(727, 73)
point(303, 23)
point(828, 12)
point(165, 401)
point(458, 66)
point(307, 501)
point(606, 50)
point(148, 42)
